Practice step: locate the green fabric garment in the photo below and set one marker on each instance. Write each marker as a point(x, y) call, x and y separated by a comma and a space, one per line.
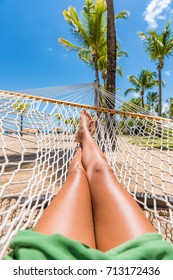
point(30, 245)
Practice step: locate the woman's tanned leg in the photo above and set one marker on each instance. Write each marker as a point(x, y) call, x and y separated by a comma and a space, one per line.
point(70, 212)
point(117, 216)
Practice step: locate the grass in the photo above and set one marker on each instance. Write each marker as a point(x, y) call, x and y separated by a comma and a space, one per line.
point(164, 143)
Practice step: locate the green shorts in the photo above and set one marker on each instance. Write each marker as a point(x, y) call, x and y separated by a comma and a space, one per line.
point(30, 245)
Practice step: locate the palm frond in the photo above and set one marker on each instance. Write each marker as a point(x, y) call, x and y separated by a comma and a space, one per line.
point(102, 63)
point(123, 15)
point(96, 24)
point(119, 70)
point(86, 57)
point(130, 90)
point(121, 53)
point(71, 16)
point(70, 46)
point(152, 96)
point(134, 80)
point(158, 46)
point(142, 35)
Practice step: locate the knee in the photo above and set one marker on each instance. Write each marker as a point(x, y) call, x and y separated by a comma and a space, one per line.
point(76, 168)
point(100, 167)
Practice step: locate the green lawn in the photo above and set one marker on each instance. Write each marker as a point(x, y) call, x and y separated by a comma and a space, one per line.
point(166, 142)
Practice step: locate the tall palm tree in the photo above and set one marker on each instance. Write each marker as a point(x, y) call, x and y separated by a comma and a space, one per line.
point(170, 102)
point(136, 101)
point(102, 62)
point(89, 31)
point(111, 49)
point(145, 80)
point(90, 34)
point(111, 66)
point(59, 118)
point(169, 109)
point(159, 46)
point(118, 53)
point(152, 98)
point(73, 123)
point(21, 108)
point(127, 106)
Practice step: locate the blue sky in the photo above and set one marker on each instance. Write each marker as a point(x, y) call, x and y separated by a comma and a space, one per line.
point(30, 56)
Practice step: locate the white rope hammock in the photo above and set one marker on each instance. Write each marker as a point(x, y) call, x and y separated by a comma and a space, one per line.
point(37, 132)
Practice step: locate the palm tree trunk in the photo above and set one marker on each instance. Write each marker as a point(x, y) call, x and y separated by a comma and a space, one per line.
point(97, 81)
point(160, 90)
point(110, 128)
point(104, 80)
point(159, 127)
point(152, 107)
point(97, 72)
point(111, 51)
point(142, 98)
point(21, 125)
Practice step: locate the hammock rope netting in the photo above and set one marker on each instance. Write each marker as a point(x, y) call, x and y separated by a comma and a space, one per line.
point(37, 143)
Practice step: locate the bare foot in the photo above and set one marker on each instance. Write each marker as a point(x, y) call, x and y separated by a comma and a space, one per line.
point(92, 128)
point(86, 125)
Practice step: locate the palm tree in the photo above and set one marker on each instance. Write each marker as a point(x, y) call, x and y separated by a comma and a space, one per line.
point(111, 66)
point(169, 109)
point(146, 80)
point(21, 108)
point(136, 101)
point(159, 46)
point(58, 117)
point(111, 49)
point(73, 124)
point(127, 106)
point(89, 31)
point(131, 105)
point(102, 63)
point(111, 43)
point(152, 98)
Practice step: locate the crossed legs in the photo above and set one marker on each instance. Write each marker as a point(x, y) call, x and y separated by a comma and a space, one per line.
point(91, 187)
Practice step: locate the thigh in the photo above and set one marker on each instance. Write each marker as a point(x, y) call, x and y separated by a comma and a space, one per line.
point(117, 216)
point(70, 212)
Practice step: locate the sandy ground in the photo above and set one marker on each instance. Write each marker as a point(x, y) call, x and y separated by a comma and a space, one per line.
point(35, 166)
point(34, 158)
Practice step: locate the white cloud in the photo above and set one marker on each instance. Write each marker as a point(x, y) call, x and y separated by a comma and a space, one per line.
point(165, 107)
point(154, 11)
point(50, 50)
point(167, 73)
point(136, 94)
point(161, 17)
